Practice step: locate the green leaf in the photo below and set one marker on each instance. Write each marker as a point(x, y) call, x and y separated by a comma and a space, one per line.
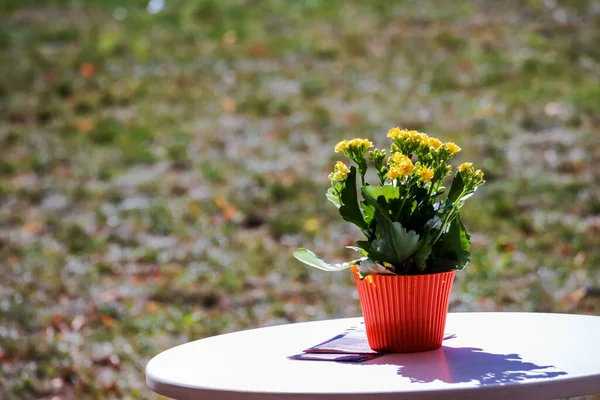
point(365, 245)
point(359, 250)
point(458, 192)
point(367, 267)
point(394, 244)
point(383, 198)
point(456, 189)
point(433, 224)
point(368, 211)
point(455, 244)
point(420, 257)
point(350, 211)
point(389, 192)
point(310, 258)
point(440, 190)
point(333, 197)
point(421, 195)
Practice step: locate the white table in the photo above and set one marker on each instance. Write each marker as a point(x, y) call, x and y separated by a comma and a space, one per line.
point(491, 356)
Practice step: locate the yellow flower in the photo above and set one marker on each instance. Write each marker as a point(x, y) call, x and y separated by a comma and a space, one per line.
point(434, 142)
point(453, 148)
point(420, 137)
point(397, 159)
point(406, 168)
point(393, 173)
point(359, 146)
point(479, 174)
point(393, 133)
point(360, 143)
point(338, 176)
point(341, 167)
point(396, 133)
point(404, 134)
point(401, 134)
point(340, 172)
point(465, 167)
point(401, 164)
point(426, 174)
point(341, 146)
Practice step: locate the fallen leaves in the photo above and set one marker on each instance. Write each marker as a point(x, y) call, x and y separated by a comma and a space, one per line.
point(85, 125)
point(229, 38)
point(229, 212)
point(229, 105)
point(33, 227)
point(258, 50)
point(78, 322)
point(87, 70)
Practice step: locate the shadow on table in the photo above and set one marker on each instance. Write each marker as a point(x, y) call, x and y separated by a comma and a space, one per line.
point(465, 364)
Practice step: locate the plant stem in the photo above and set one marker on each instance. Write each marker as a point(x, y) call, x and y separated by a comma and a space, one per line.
point(430, 190)
point(409, 187)
point(448, 218)
point(381, 176)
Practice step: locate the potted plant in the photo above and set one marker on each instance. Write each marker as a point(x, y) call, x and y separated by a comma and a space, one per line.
point(414, 238)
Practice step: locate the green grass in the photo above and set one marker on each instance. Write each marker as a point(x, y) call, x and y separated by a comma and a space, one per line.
point(158, 171)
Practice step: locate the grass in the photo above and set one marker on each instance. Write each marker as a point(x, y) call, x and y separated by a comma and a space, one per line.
point(158, 170)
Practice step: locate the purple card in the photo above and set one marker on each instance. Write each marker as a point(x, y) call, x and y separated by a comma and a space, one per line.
point(340, 357)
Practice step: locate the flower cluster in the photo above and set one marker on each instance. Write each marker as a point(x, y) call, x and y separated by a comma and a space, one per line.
point(421, 144)
point(409, 229)
point(354, 149)
point(426, 174)
point(377, 158)
point(340, 172)
point(399, 165)
point(430, 169)
point(470, 175)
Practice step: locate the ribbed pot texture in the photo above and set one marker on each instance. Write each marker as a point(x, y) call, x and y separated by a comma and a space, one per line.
point(405, 314)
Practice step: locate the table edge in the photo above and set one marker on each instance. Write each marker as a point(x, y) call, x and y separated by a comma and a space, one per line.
point(576, 386)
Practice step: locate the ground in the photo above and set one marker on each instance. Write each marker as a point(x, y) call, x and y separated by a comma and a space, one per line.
point(160, 165)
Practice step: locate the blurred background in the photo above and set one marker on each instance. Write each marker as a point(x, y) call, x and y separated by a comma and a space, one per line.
point(161, 160)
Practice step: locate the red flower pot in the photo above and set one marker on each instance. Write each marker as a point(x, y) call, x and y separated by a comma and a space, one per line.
point(405, 314)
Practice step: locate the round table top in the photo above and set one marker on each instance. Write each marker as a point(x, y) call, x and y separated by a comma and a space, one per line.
point(487, 355)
